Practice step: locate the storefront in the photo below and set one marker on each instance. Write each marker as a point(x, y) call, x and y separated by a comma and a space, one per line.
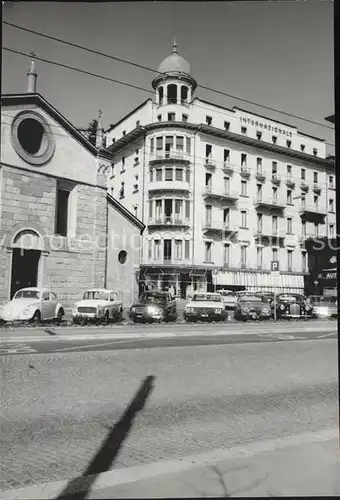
point(258, 281)
point(327, 282)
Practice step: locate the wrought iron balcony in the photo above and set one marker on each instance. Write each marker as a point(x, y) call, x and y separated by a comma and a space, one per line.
point(209, 163)
point(304, 185)
point(316, 187)
point(275, 234)
point(260, 176)
point(228, 168)
point(218, 227)
point(169, 221)
point(276, 179)
point(169, 156)
point(164, 186)
point(245, 171)
point(269, 202)
point(213, 194)
point(312, 211)
point(290, 182)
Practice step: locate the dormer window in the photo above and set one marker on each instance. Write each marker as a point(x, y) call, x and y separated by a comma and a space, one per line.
point(302, 147)
point(244, 130)
point(274, 139)
point(227, 125)
point(208, 120)
point(289, 143)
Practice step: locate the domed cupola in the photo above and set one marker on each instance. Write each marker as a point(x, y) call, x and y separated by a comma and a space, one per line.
point(174, 83)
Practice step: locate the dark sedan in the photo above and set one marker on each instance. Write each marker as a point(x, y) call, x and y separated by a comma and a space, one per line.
point(154, 306)
point(252, 307)
point(292, 305)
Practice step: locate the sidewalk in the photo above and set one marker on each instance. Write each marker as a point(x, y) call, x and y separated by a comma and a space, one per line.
point(307, 465)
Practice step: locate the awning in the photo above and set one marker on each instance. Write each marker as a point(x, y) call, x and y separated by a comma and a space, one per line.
point(257, 280)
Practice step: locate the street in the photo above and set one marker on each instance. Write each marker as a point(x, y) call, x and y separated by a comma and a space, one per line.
point(63, 397)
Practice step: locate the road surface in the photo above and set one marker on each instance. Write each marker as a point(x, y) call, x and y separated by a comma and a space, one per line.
point(59, 407)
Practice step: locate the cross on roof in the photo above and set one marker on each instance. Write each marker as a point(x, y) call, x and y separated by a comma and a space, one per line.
point(33, 54)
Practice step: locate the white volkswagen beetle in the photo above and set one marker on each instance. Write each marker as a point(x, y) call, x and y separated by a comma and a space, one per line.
point(32, 304)
point(98, 304)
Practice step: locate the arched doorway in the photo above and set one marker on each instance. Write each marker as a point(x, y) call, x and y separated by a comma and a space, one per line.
point(26, 260)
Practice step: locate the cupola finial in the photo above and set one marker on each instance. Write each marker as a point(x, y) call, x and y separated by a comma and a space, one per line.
point(174, 46)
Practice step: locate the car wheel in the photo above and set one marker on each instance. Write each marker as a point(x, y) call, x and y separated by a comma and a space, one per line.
point(36, 319)
point(60, 315)
point(107, 317)
point(120, 316)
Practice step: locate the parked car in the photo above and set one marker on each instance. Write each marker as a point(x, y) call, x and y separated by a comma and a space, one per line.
point(32, 304)
point(229, 298)
point(292, 305)
point(98, 304)
point(205, 306)
point(268, 295)
point(323, 307)
point(154, 306)
point(252, 306)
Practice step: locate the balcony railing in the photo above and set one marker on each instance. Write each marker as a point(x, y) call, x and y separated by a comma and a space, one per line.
point(260, 176)
point(172, 154)
point(316, 187)
point(217, 226)
point(228, 168)
point(305, 237)
point(209, 163)
point(276, 179)
point(213, 193)
point(270, 233)
point(313, 210)
point(304, 185)
point(170, 101)
point(270, 202)
point(290, 182)
point(169, 221)
point(172, 185)
point(245, 171)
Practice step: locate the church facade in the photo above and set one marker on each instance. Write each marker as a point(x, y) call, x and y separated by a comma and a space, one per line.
point(59, 227)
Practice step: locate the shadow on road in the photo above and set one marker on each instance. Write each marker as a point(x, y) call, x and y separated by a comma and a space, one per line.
point(79, 487)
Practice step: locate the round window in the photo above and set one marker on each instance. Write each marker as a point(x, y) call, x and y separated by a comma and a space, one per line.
point(122, 256)
point(32, 137)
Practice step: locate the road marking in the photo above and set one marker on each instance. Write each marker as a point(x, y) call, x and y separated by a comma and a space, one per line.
point(132, 474)
point(326, 335)
point(95, 345)
point(14, 348)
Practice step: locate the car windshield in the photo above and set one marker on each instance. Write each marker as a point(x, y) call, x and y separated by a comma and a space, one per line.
point(153, 297)
point(96, 295)
point(227, 294)
point(251, 298)
point(205, 297)
point(27, 294)
point(290, 298)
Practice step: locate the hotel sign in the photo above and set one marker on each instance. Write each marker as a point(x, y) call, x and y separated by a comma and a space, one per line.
point(266, 126)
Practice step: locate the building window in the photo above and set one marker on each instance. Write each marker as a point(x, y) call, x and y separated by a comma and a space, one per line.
point(123, 164)
point(112, 191)
point(226, 217)
point(274, 139)
point(226, 185)
point(188, 146)
point(226, 125)
point(208, 210)
point(289, 171)
point(159, 144)
point(158, 174)
point(208, 120)
point(274, 255)
point(304, 262)
point(178, 208)
point(187, 209)
point(208, 245)
point(158, 209)
point(243, 256)
point(316, 229)
point(316, 202)
point(226, 255)
point(124, 132)
point(180, 144)
point(290, 260)
point(274, 224)
point(331, 230)
point(186, 249)
point(259, 255)
point(259, 191)
point(289, 197)
point(179, 174)
point(302, 147)
point(135, 209)
point(157, 249)
point(62, 210)
point(244, 188)
point(135, 186)
point(289, 225)
point(315, 152)
point(226, 156)
point(171, 117)
point(150, 209)
point(208, 180)
point(150, 249)
point(259, 223)
point(178, 249)
point(289, 143)
point(169, 145)
point(315, 177)
point(137, 123)
point(274, 167)
point(187, 176)
point(167, 250)
point(259, 135)
point(121, 192)
point(112, 170)
point(243, 130)
point(152, 145)
point(184, 118)
point(168, 174)
point(331, 206)
point(331, 181)
point(243, 159)
point(259, 164)
point(208, 151)
point(159, 118)
point(151, 175)
point(275, 194)
point(244, 219)
point(303, 174)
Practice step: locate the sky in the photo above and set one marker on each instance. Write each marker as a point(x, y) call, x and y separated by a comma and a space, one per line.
point(279, 54)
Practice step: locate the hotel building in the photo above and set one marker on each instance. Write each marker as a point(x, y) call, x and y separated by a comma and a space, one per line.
point(226, 195)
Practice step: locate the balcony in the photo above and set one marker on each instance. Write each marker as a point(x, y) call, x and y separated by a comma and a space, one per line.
point(276, 179)
point(228, 168)
point(173, 155)
point(260, 176)
point(245, 171)
point(209, 163)
point(218, 227)
point(171, 102)
point(275, 235)
point(306, 237)
point(312, 212)
point(317, 187)
point(290, 182)
point(304, 186)
point(269, 203)
point(212, 194)
point(165, 186)
point(169, 221)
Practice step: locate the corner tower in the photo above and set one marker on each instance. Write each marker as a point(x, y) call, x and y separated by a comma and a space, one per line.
point(174, 83)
